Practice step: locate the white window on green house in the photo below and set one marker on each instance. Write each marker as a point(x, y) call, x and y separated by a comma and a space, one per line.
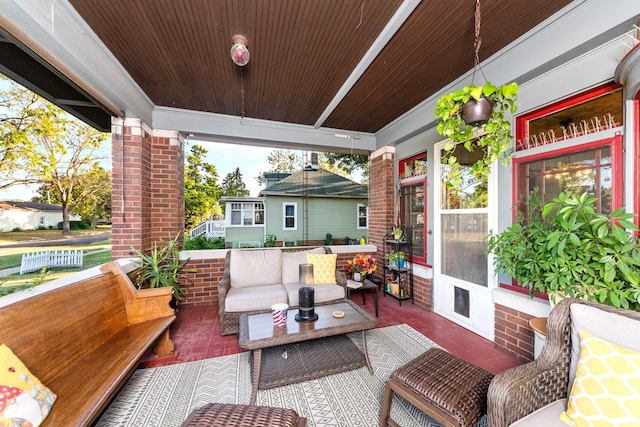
point(363, 216)
point(247, 214)
point(289, 216)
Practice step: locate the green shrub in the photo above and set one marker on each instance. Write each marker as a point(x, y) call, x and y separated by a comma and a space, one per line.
point(203, 243)
point(328, 239)
point(270, 241)
point(16, 230)
point(76, 225)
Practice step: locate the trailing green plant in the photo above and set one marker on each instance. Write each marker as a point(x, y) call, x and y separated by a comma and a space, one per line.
point(495, 140)
point(161, 266)
point(566, 248)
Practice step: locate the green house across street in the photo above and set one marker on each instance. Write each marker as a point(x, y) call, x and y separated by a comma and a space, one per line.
point(299, 209)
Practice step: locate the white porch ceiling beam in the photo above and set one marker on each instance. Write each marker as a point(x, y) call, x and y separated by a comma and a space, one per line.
point(394, 24)
point(237, 130)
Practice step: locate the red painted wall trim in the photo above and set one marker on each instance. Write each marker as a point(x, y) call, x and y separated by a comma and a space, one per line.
point(522, 122)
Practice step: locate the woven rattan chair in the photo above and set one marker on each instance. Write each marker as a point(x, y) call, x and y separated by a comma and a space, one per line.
point(230, 415)
point(519, 391)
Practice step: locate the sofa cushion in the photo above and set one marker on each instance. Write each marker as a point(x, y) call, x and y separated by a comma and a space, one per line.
point(322, 293)
point(616, 329)
point(547, 416)
point(606, 390)
point(250, 268)
point(256, 298)
point(291, 262)
point(324, 267)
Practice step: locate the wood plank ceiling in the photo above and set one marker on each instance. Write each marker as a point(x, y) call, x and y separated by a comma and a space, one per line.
point(302, 51)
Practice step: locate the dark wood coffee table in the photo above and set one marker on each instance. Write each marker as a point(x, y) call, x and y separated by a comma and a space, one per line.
point(257, 332)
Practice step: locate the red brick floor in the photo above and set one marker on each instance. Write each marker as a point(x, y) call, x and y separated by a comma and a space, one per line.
point(196, 334)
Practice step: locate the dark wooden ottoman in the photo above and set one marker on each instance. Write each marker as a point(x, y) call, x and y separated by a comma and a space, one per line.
point(450, 390)
point(231, 415)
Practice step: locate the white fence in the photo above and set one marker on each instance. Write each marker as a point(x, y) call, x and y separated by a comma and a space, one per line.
point(51, 259)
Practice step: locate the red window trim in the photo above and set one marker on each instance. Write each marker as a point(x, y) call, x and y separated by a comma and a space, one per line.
point(408, 182)
point(522, 122)
point(616, 144)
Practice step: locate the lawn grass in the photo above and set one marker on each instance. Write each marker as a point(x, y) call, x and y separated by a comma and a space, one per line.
point(12, 257)
point(43, 235)
point(29, 278)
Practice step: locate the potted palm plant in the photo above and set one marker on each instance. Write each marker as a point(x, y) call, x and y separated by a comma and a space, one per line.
point(161, 266)
point(457, 119)
point(565, 248)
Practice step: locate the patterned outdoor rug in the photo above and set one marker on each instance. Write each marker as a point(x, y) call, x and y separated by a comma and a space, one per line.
point(164, 396)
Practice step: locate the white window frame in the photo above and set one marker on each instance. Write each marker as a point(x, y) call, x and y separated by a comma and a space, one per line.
point(284, 215)
point(366, 217)
point(247, 211)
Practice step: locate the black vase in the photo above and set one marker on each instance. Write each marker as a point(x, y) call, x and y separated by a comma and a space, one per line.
point(477, 113)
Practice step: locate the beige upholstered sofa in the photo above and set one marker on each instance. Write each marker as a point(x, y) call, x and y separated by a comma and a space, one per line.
point(535, 394)
point(255, 279)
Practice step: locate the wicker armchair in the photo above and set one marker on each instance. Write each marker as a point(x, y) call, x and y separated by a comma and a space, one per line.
point(517, 392)
point(230, 321)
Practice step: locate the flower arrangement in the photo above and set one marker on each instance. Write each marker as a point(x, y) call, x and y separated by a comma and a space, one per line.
point(362, 264)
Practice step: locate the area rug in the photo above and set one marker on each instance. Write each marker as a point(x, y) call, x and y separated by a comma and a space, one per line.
point(164, 396)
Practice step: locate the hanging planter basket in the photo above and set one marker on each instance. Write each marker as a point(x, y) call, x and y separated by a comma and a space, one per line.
point(477, 112)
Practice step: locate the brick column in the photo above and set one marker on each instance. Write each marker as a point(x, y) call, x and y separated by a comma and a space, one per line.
point(147, 186)
point(382, 196)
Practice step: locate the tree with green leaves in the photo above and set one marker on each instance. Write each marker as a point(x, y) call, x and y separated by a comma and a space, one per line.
point(201, 190)
point(41, 144)
point(24, 116)
point(233, 185)
point(91, 195)
point(285, 161)
point(345, 164)
point(64, 158)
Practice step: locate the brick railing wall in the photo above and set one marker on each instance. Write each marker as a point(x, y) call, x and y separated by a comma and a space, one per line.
point(512, 332)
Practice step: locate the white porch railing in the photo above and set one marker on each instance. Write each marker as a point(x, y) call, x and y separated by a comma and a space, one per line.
point(64, 258)
point(210, 229)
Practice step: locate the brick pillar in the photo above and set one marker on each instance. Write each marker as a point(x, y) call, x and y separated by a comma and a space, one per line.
point(167, 186)
point(147, 186)
point(382, 196)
